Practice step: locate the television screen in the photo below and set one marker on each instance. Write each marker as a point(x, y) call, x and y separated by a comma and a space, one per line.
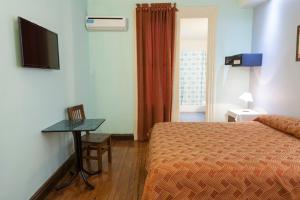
point(39, 46)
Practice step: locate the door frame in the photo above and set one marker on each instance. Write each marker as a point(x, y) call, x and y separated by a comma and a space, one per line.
point(210, 13)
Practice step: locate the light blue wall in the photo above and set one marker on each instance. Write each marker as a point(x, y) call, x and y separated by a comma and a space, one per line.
point(113, 64)
point(276, 85)
point(32, 99)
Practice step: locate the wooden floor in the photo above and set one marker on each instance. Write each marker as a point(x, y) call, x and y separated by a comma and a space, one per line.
point(122, 179)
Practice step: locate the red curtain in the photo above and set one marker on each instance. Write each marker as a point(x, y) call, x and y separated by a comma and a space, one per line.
point(155, 64)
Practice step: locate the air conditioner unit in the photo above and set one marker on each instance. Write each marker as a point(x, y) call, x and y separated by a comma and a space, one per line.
point(106, 23)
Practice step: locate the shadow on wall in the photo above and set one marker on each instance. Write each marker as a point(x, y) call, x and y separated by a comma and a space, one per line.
point(17, 42)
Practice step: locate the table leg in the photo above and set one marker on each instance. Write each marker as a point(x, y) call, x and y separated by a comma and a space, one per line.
point(78, 150)
point(79, 164)
point(90, 186)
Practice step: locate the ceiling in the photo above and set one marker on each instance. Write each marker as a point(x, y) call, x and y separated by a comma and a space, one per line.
point(251, 3)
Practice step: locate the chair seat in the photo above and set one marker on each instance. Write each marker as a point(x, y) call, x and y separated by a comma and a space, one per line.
point(95, 138)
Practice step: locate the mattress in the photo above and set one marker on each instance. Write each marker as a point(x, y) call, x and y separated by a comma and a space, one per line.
point(248, 160)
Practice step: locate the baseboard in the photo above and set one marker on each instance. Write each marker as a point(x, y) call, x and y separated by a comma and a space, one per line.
point(45, 189)
point(122, 136)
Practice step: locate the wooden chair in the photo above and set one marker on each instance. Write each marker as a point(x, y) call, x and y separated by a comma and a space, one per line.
point(92, 141)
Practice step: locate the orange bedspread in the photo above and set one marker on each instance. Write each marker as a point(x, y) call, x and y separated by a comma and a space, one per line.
point(227, 161)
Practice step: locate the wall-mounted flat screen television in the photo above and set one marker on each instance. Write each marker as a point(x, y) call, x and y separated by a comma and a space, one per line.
point(39, 46)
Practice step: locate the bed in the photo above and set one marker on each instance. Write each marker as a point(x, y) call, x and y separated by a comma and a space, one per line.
point(248, 160)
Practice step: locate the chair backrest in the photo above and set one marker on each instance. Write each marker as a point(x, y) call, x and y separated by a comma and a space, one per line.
point(76, 112)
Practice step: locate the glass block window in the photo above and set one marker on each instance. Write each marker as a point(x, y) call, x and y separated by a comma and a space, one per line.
point(192, 78)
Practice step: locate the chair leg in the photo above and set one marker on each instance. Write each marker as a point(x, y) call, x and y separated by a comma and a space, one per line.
point(99, 154)
point(88, 151)
point(109, 149)
point(88, 161)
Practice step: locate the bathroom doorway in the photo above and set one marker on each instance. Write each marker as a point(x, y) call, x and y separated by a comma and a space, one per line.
point(193, 97)
point(192, 70)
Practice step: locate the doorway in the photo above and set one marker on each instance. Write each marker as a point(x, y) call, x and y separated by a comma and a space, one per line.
point(193, 94)
point(192, 70)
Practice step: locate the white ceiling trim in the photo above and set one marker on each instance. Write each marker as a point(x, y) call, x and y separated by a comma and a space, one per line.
point(251, 3)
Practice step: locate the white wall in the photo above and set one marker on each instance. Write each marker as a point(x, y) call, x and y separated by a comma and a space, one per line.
point(276, 85)
point(33, 99)
point(193, 45)
point(193, 34)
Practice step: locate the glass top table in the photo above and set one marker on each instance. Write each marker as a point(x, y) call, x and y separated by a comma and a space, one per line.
point(70, 126)
point(76, 127)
